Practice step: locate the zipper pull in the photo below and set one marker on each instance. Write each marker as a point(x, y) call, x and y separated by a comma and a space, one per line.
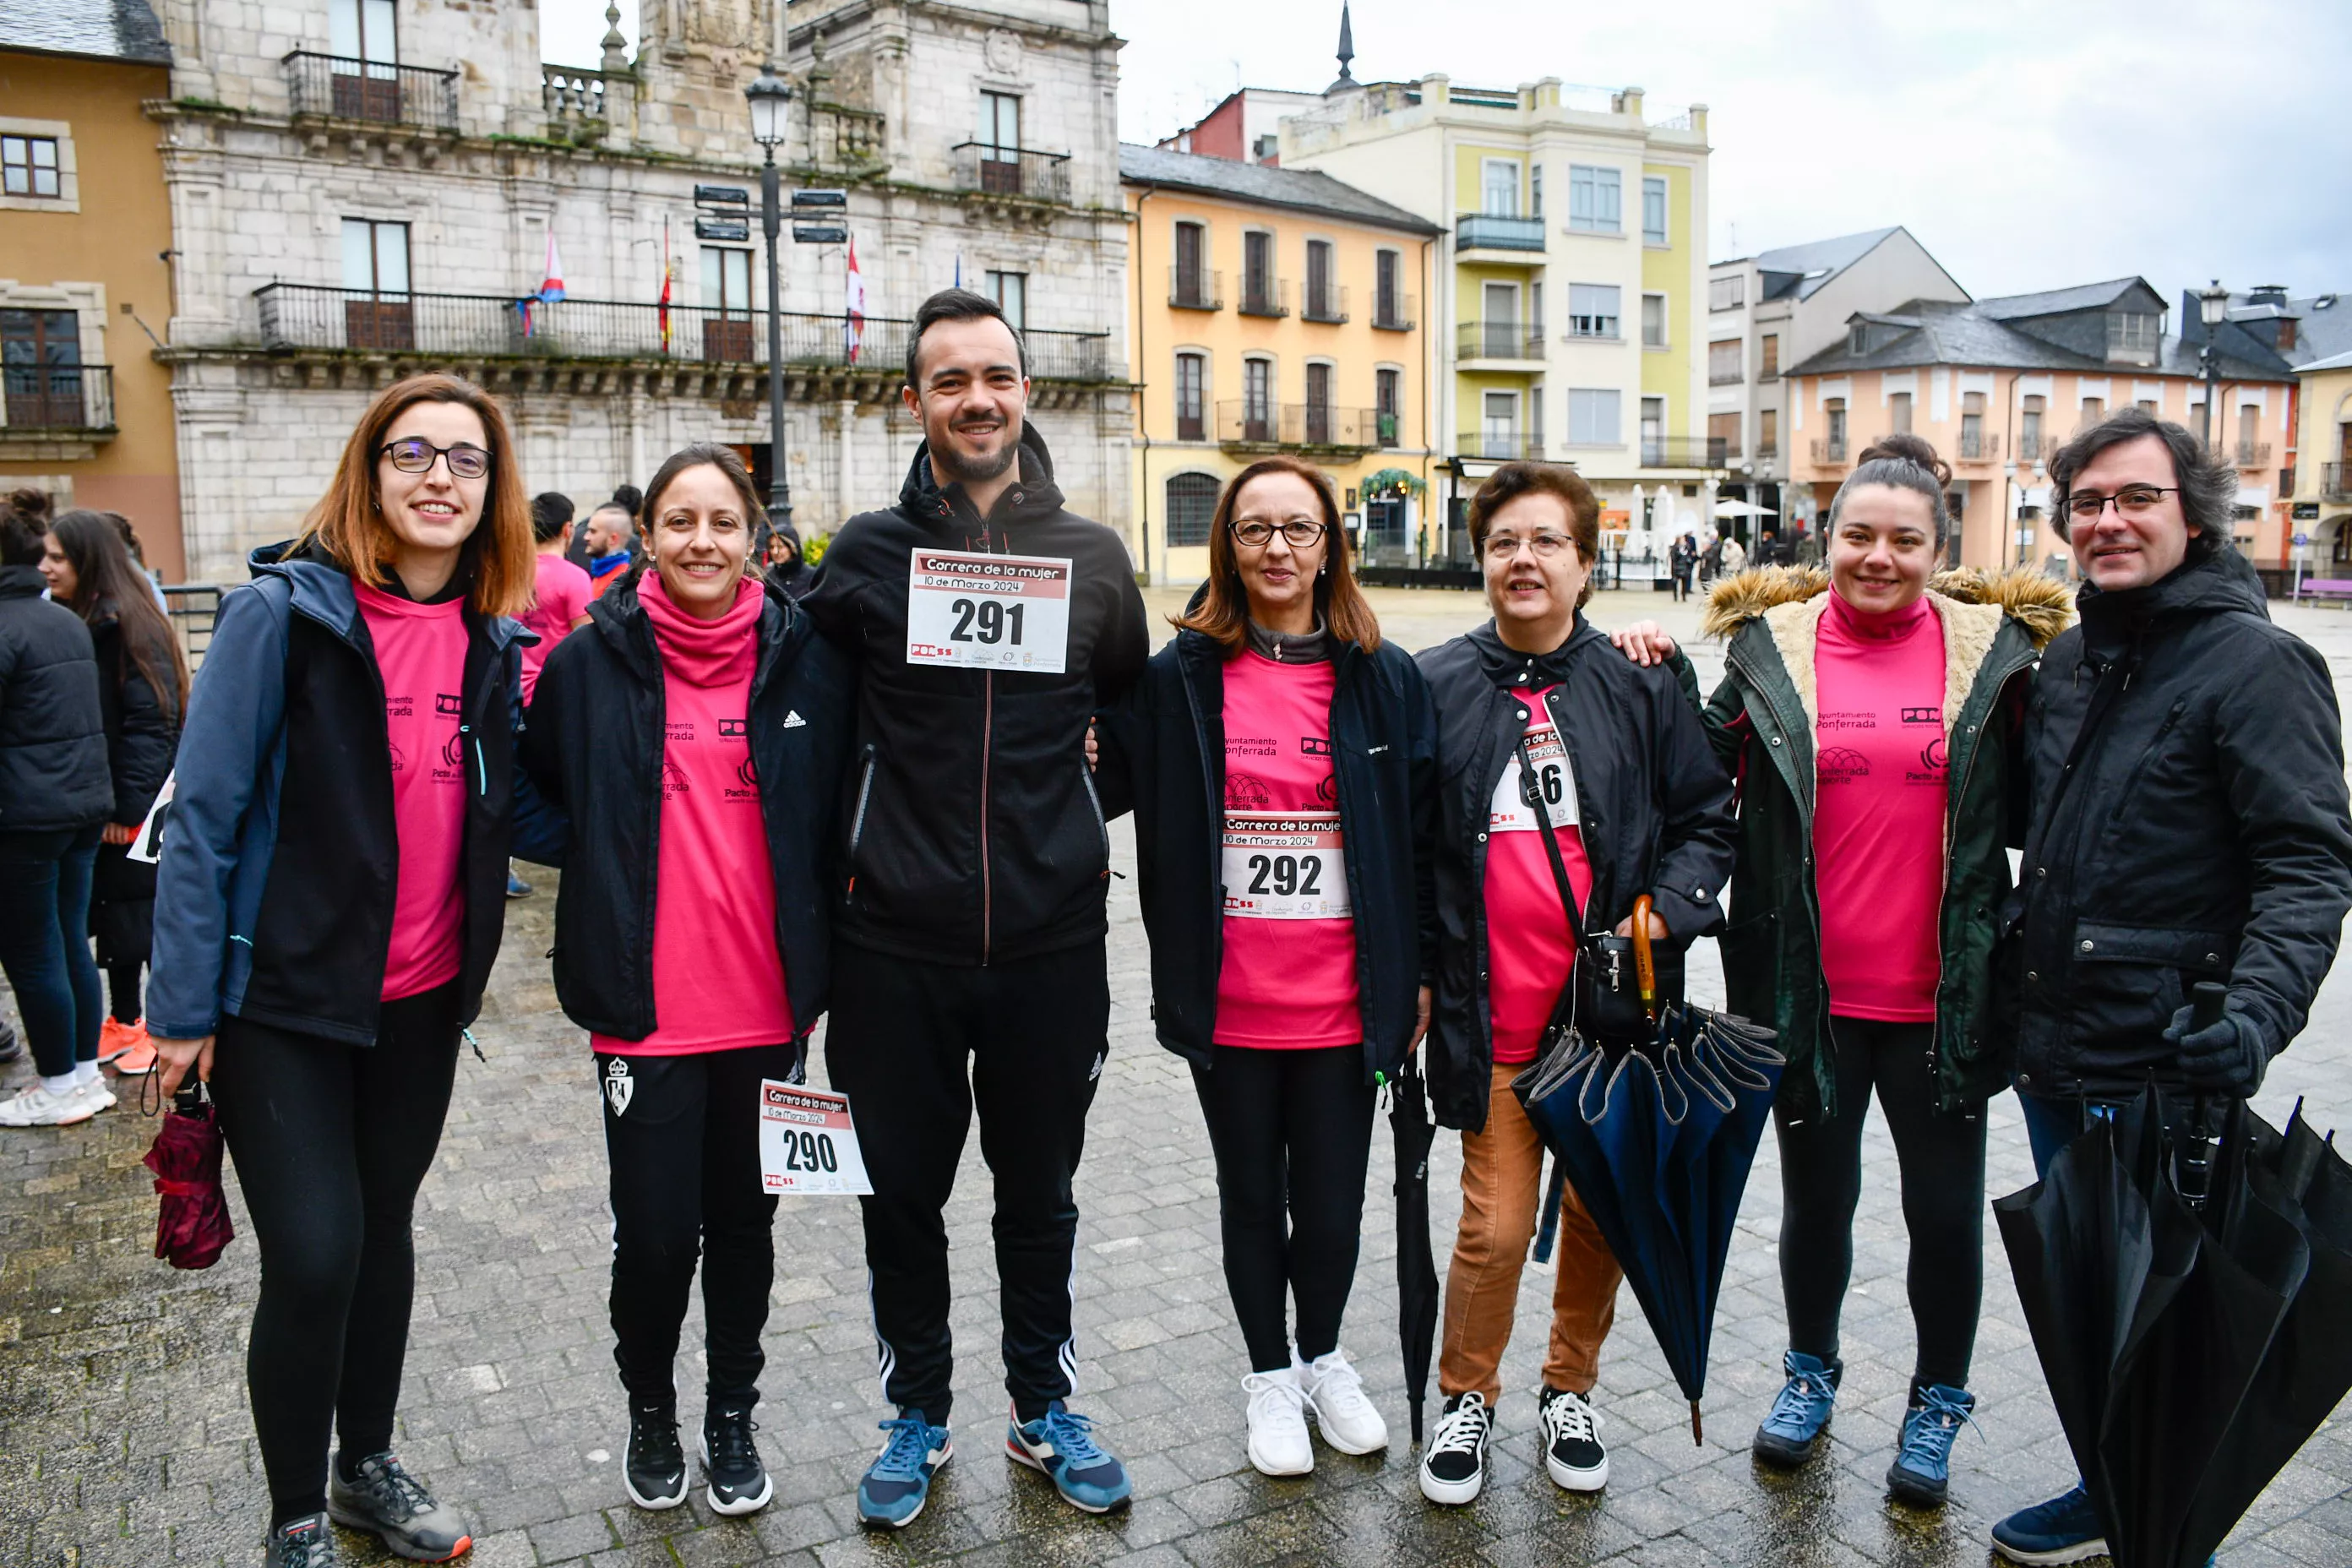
point(469, 1034)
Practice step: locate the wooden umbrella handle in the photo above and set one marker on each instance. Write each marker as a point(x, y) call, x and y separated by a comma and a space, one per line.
point(1645, 964)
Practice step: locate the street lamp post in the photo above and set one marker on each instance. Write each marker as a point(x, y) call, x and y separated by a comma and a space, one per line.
point(2212, 309)
point(769, 96)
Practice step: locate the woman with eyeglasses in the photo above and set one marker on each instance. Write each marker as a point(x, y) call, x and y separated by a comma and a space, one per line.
point(1280, 757)
point(1544, 730)
point(329, 903)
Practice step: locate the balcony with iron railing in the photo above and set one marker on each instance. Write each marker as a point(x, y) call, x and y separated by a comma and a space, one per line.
point(1502, 442)
point(2033, 446)
point(1767, 454)
point(2253, 454)
point(1394, 312)
point(2335, 481)
point(377, 92)
point(1241, 423)
point(1976, 447)
point(1500, 339)
point(1328, 305)
point(1686, 452)
point(1830, 450)
point(1485, 231)
point(1263, 295)
point(296, 317)
point(1196, 289)
point(43, 401)
point(1021, 172)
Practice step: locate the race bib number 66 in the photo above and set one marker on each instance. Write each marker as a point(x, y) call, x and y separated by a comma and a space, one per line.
point(989, 611)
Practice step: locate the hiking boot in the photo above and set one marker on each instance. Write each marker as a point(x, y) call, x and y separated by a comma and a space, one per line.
point(382, 1498)
point(898, 1482)
point(1335, 1397)
point(2065, 1530)
point(1062, 1444)
point(1922, 1472)
point(731, 1460)
point(1802, 1413)
point(653, 1470)
point(1278, 1443)
point(1453, 1467)
point(35, 1106)
point(1571, 1441)
point(305, 1542)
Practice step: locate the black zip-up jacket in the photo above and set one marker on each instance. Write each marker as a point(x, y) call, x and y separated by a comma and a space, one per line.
point(971, 830)
point(594, 749)
point(1653, 808)
point(142, 719)
point(1164, 749)
point(2190, 822)
point(281, 864)
point(53, 772)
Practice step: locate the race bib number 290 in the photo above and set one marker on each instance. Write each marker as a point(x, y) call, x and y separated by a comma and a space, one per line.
point(989, 611)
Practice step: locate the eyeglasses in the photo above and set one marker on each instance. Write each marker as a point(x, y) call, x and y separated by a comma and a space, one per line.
point(2132, 501)
point(1301, 534)
point(1503, 546)
point(414, 456)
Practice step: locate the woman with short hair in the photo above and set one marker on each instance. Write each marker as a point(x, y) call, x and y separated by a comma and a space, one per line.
point(1280, 756)
point(329, 904)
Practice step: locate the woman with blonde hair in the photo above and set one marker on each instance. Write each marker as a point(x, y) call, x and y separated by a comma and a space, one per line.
point(329, 901)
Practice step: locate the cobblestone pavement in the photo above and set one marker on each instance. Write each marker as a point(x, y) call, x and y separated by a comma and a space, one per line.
point(125, 1438)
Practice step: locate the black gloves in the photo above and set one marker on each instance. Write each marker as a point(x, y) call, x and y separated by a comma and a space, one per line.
point(2227, 1057)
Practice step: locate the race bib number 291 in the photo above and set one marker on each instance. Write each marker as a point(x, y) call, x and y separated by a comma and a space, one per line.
point(989, 611)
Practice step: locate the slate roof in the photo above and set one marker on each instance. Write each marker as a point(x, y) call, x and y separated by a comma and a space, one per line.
point(106, 29)
point(1826, 257)
point(2334, 362)
point(1969, 335)
point(2321, 332)
point(2062, 302)
point(1263, 184)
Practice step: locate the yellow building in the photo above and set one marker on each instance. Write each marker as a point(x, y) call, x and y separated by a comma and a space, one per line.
point(2321, 504)
point(85, 230)
point(1274, 311)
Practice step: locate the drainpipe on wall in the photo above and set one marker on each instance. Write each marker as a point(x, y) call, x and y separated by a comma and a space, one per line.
point(1143, 425)
point(1428, 303)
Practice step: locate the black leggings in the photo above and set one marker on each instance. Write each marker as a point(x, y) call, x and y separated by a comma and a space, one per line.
point(682, 1138)
point(330, 1143)
point(1293, 1135)
point(1942, 1159)
point(122, 990)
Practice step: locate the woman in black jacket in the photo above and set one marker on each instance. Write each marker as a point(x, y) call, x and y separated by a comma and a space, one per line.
point(55, 792)
point(142, 694)
point(693, 735)
point(1281, 760)
point(1542, 725)
point(329, 901)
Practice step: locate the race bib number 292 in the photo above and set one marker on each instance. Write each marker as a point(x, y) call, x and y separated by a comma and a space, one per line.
point(989, 611)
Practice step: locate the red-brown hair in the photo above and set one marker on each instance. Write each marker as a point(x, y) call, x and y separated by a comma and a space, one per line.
point(1222, 615)
point(347, 525)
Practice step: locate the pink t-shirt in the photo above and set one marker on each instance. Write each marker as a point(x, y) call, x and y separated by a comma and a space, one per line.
point(1878, 824)
point(420, 650)
point(718, 980)
point(1288, 980)
point(1529, 946)
point(558, 597)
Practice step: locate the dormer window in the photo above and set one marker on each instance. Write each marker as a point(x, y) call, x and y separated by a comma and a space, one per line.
point(1858, 339)
point(2134, 334)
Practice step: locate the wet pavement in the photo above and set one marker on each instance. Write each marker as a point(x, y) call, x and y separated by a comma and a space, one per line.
point(125, 1437)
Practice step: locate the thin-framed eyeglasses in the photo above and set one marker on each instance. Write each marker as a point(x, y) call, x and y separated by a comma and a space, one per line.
point(1545, 544)
point(416, 455)
point(1256, 533)
point(2132, 501)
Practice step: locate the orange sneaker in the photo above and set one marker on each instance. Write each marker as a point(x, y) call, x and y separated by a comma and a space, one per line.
point(140, 1058)
point(115, 1038)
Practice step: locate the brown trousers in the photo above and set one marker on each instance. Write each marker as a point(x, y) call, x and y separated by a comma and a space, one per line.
point(1502, 1170)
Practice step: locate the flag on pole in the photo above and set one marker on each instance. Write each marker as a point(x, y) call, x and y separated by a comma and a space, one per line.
point(662, 310)
point(854, 303)
point(553, 289)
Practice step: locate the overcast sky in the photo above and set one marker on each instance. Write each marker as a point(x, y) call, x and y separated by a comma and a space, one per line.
point(2029, 144)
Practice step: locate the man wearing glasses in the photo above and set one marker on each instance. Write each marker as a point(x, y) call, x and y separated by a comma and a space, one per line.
point(2188, 822)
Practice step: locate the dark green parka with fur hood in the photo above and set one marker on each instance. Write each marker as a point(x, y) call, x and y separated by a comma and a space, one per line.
point(1762, 719)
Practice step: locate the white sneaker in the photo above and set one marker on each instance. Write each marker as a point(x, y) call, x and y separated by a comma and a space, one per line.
point(1454, 1465)
point(1277, 1424)
point(96, 1095)
point(1335, 1396)
point(1572, 1442)
point(36, 1107)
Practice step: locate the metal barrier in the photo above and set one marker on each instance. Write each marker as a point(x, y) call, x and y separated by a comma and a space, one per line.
point(192, 607)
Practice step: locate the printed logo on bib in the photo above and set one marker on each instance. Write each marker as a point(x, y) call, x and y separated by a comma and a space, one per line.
point(1552, 786)
point(1285, 866)
point(989, 611)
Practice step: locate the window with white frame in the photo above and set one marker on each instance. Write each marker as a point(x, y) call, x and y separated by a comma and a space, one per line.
point(375, 256)
point(1654, 321)
point(727, 280)
point(1498, 425)
point(1499, 187)
point(1654, 209)
point(1192, 380)
point(1011, 290)
point(1594, 416)
point(1593, 310)
point(362, 30)
point(1535, 189)
point(1723, 358)
point(1727, 293)
point(1595, 199)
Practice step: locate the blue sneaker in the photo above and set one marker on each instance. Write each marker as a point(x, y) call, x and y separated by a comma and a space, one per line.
point(1063, 1445)
point(2066, 1529)
point(898, 1482)
point(516, 886)
point(1802, 1413)
point(1921, 1473)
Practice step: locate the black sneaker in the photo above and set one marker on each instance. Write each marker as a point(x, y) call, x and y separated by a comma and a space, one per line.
point(1453, 1467)
point(654, 1471)
point(384, 1499)
point(738, 1481)
point(305, 1542)
point(11, 1048)
point(1571, 1441)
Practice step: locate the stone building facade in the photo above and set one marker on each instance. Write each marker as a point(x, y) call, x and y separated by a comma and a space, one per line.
point(361, 188)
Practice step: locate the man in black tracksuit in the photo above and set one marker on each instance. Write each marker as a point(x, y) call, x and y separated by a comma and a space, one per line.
point(970, 962)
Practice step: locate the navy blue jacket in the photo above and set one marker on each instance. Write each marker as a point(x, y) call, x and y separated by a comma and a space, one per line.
point(281, 858)
point(1163, 750)
point(53, 772)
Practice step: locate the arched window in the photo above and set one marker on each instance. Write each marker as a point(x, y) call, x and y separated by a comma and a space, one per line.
point(1192, 507)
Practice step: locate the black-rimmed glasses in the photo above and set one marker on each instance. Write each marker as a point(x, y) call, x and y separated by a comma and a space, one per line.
point(2132, 501)
point(1300, 533)
point(415, 455)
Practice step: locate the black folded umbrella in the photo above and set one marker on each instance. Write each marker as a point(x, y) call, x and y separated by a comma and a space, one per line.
point(1416, 1264)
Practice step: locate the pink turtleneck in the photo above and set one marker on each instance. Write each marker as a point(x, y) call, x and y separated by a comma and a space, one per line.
point(1878, 821)
point(718, 980)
